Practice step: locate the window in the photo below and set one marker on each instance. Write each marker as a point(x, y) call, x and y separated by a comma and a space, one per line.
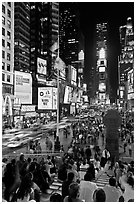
point(3, 42)
point(3, 31)
point(9, 13)
point(8, 45)
point(9, 4)
point(3, 65)
point(3, 20)
point(9, 24)
point(3, 54)
point(8, 78)
point(8, 56)
point(8, 67)
point(8, 35)
point(3, 8)
point(3, 77)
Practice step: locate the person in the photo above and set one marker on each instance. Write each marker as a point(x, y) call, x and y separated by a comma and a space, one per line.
point(83, 167)
point(73, 193)
point(25, 192)
point(66, 184)
point(105, 156)
point(112, 192)
point(99, 195)
point(56, 197)
point(87, 187)
point(129, 189)
point(130, 149)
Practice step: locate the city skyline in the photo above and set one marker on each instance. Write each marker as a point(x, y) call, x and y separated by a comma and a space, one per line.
point(115, 14)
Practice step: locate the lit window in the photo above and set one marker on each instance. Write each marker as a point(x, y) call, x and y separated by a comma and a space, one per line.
point(3, 65)
point(9, 13)
point(9, 23)
point(8, 46)
point(3, 8)
point(8, 78)
point(8, 35)
point(8, 56)
point(3, 20)
point(3, 31)
point(3, 77)
point(3, 54)
point(3, 43)
point(9, 4)
point(8, 67)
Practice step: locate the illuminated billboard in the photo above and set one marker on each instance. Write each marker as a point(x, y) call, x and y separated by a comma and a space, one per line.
point(47, 98)
point(101, 69)
point(73, 75)
point(102, 87)
point(68, 95)
point(23, 87)
point(130, 81)
point(41, 66)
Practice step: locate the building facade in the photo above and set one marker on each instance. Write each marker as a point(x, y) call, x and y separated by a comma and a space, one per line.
point(44, 18)
point(102, 72)
point(126, 65)
point(7, 61)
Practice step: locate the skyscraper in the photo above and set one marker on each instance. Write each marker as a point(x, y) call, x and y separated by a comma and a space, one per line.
point(69, 32)
point(44, 18)
point(102, 72)
point(22, 36)
point(126, 64)
point(7, 58)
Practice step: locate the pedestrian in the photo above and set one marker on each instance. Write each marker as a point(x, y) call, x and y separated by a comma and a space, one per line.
point(125, 145)
point(99, 195)
point(130, 149)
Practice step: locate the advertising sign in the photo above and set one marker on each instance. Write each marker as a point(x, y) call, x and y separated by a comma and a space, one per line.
point(101, 69)
point(47, 98)
point(102, 87)
point(23, 87)
point(73, 75)
point(130, 81)
point(68, 95)
point(41, 66)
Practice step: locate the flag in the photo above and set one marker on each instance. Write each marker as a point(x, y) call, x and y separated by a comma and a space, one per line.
point(54, 47)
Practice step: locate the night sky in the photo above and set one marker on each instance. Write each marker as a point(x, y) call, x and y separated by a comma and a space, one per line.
point(115, 14)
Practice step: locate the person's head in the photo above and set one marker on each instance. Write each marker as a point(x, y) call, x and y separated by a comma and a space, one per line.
point(130, 181)
point(74, 190)
point(88, 177)
point(112, 181)
point(70, 176)
point(56, 197)
point(99, 195)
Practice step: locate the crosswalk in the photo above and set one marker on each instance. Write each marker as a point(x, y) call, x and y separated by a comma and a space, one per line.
point(56, 186)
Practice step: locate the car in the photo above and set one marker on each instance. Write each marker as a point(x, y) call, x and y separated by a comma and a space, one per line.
point(14, 144)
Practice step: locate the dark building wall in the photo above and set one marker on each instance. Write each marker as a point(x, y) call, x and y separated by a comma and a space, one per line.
point(22, 36)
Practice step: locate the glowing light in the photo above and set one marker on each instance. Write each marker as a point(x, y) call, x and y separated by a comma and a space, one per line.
point(102, 53)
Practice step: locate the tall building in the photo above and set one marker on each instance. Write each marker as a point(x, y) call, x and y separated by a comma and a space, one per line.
point(7, 59)
point(22, 36)
point(102, 72)
point(44, 18)
point(69, 32)
point(126, 65)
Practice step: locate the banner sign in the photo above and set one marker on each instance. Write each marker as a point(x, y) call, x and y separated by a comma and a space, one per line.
point(23, 87)
point(47, 98)
point(41, 66)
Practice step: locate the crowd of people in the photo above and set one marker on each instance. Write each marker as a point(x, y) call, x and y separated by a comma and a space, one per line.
point(26, 179)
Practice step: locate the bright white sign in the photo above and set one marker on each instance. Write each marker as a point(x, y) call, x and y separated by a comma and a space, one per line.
point(68, 95)
point(101, 69)
point(23, 87)
point(47, 98)
point(41, 66)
